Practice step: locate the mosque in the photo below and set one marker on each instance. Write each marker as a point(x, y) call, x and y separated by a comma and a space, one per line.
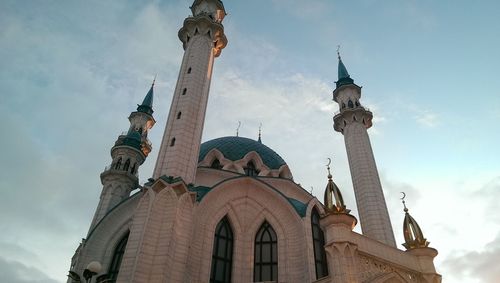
point(228, 210)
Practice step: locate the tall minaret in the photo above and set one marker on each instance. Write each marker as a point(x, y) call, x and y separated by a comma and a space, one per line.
point(353, 120)
point(203, 39)
point(128, 153)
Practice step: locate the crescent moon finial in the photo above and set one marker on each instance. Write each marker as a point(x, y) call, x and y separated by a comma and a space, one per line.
point(404, 203)
point(328, 167)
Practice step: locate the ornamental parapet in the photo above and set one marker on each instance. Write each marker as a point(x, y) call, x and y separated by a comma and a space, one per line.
point(347, 116)
point(203, 24)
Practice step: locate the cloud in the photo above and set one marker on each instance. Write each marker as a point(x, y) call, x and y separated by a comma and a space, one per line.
point(16, 272)
point(478, 265)
point(427, 119)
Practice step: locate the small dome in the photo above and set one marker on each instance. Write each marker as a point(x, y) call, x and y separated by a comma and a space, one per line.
point(235, 148)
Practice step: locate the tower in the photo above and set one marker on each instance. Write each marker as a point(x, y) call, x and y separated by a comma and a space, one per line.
point(352, 121)
point(129, 152)
point(203, 39)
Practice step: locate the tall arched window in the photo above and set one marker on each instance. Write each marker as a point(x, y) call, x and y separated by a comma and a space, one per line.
point(318, 246)
point(266, 254)
point(114, 267)
point(350, 104)
point(222, 255)
point(250, 169)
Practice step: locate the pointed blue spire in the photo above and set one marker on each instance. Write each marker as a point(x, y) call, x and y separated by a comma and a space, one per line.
point(147, 103)
point(344, 78)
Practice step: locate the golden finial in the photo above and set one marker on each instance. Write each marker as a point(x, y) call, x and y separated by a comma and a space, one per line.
point(332, 193)
point(414, 238)
point(328, 168)
point(238, 129)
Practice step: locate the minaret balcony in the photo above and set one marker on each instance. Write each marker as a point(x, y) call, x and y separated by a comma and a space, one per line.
point(111, 169)
point(347, 116)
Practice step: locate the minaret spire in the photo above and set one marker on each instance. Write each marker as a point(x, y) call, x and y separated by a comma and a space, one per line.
point(352, 121)
point(343, 76)
point(203, 39)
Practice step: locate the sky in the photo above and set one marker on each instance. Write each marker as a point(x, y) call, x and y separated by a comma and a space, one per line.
point(72, 71)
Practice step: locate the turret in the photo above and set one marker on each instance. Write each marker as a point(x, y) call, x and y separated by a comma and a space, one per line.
point(129, 152)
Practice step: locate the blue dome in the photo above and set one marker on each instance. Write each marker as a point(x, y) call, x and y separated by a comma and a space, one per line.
point(235, 148)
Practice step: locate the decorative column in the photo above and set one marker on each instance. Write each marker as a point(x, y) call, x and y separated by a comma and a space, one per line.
point(203, 39)
point(352, 121)
point(338, 225)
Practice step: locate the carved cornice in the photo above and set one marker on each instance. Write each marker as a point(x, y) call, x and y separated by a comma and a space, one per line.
point(352, 115)
point(203, 25)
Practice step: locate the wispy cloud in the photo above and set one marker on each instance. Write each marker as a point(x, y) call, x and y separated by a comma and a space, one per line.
point(427, 119)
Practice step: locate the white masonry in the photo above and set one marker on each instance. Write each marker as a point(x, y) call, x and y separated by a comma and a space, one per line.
point(203, 38)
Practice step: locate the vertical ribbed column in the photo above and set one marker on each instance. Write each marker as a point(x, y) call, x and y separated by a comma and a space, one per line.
point(178, 157)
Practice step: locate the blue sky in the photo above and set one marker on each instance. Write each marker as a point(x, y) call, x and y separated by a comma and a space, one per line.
point(72, 71)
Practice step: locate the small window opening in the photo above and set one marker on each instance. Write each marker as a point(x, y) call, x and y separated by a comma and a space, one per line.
point(126, 165)
point(350, 104)
point(354, 118)
point(133, 168)
point(343, 105)
point(184, 91)
point(216, 164)
point(118, 163)
point(196, 31)
point(179, 115)
point(357, 103)
point(250, 169)
point(172, 142)
point(189, 70)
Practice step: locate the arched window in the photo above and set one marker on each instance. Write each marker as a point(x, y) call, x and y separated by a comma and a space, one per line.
point(133, 168)
point(357, 103)
point(343, 105)
point(216, 164)
point(114, 267)
point(222, 255)
point(118, 163)
point(126, 165)
point(318, 246)
point(250, 169)
point(184, 91)
point(179, 115)
point(350, 104)
point(172, 142)
point(266, 254)
point(189, 70)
